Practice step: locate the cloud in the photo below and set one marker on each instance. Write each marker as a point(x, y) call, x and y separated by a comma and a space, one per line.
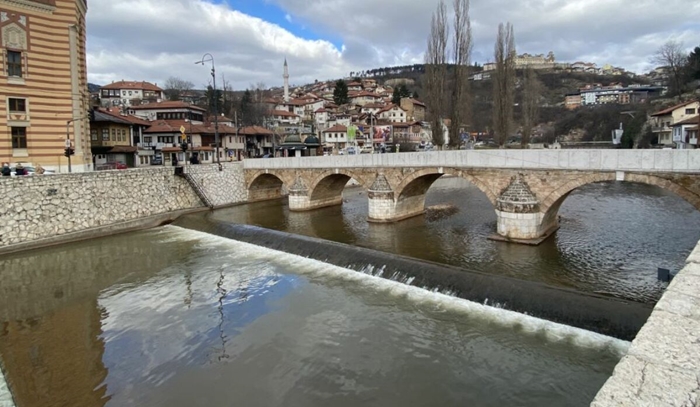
point(602, 31)
point(154, 39)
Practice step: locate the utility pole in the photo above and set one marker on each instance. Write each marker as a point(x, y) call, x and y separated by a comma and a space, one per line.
point(216, 103)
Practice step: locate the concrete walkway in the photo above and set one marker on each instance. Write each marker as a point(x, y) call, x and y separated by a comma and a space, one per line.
point(5, 396)
point(662, 366)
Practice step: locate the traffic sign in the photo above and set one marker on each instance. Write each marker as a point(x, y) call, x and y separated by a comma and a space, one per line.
point(182, 129)
point(68, 144)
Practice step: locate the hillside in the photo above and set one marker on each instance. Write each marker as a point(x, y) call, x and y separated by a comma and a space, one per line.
point(589, 124)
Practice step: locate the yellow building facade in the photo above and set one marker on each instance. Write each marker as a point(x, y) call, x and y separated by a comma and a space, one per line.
point(44, 98)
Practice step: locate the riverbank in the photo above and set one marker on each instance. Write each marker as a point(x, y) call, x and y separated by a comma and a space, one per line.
point(662, 366)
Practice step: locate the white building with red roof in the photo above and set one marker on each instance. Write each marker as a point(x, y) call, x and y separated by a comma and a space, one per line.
point(127, 93)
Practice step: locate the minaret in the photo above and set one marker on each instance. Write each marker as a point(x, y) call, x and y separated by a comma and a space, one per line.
point(286, 81)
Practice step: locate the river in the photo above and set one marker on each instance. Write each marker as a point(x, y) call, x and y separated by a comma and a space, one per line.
point(178, 318)
point(175, 317)
point(612, 239)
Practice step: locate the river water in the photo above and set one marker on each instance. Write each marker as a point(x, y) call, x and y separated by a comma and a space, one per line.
point(612, 239)
point(178, 318)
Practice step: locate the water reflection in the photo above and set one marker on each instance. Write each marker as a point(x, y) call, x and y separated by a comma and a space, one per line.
point(183, 319)
point(613, 236)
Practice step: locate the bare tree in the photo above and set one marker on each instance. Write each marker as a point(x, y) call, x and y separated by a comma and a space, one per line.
point(504, 83)
point(175, 88)
point(461, 48)
point(436, 60)
point(228, 102)
point(671, 56)
point(532, 92)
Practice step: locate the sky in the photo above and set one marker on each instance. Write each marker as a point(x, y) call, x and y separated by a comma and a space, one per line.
point(152, 40)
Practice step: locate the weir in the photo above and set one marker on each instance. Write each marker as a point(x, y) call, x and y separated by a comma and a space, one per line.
point(605, 315)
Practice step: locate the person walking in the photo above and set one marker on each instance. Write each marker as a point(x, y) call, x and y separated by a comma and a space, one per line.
point(19, 170)
point(6, 171)
point(39, 169)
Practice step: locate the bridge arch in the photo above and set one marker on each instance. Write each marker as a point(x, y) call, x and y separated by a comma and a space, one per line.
point(551, 204)
point(266, 185)
point(329, 184)
point(419, 182)
point(408, 198)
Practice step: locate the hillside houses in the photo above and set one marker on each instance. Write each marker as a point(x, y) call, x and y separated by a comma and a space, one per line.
point(671, 125)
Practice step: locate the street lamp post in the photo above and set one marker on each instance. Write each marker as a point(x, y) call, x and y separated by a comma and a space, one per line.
point(209, 58)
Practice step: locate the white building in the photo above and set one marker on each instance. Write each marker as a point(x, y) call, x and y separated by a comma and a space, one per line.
point(393, 113)
point(169, 111)
point(335, 137)
point(128, 93)
point(284, 118)
point(682, 132)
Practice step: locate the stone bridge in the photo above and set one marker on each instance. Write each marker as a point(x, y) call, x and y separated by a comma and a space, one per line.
point(526, 187)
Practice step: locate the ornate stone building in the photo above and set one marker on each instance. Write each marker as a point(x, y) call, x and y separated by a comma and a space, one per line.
point(43, 83)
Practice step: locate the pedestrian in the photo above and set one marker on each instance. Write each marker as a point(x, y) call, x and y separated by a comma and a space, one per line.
point(19, 170)
point(6, 171)
point(39, 169)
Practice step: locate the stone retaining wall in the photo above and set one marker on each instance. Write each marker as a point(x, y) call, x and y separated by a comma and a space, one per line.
point(662, 367)
point(45, 206)
point(223, 187)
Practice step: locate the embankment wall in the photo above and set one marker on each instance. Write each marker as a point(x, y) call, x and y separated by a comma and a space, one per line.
point(40, 209)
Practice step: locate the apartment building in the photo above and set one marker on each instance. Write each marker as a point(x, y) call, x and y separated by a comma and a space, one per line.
point(44, 98)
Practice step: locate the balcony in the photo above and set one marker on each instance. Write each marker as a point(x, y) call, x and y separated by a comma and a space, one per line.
point(145, 145)
point(160, 146)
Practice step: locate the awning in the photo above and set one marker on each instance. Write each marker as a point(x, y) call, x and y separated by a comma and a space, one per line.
point(123, 149)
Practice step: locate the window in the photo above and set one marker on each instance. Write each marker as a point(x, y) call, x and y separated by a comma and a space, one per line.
point(105, 134)
point(19, 137)
point(689, 111)
point(114, 134)
point(17, 105)
point(93, 135)
point(14, 63)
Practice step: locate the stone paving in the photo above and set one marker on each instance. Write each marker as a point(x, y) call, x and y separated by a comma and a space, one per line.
point(662, 366)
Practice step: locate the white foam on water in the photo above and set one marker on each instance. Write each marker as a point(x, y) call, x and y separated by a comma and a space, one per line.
point(489, 312)
point(5, 395)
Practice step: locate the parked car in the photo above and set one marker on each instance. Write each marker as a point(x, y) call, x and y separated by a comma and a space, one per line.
point(30, 170)
point(352, 150)
point(366, 150)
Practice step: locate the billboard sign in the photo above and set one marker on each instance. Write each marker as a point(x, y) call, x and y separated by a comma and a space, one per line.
point(382, 134)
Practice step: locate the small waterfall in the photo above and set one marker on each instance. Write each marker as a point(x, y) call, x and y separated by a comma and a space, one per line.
point(605, 315)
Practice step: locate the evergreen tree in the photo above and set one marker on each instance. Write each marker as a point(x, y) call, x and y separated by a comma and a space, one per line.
point(246, 106)
point(694, 64)
point(213, 99)
point(340, 93)
point(400, 92)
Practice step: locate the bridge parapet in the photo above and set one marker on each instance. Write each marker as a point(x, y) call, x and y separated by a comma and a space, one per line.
point(579, 159)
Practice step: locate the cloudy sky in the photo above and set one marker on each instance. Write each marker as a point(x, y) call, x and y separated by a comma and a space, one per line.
point(325, 39)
